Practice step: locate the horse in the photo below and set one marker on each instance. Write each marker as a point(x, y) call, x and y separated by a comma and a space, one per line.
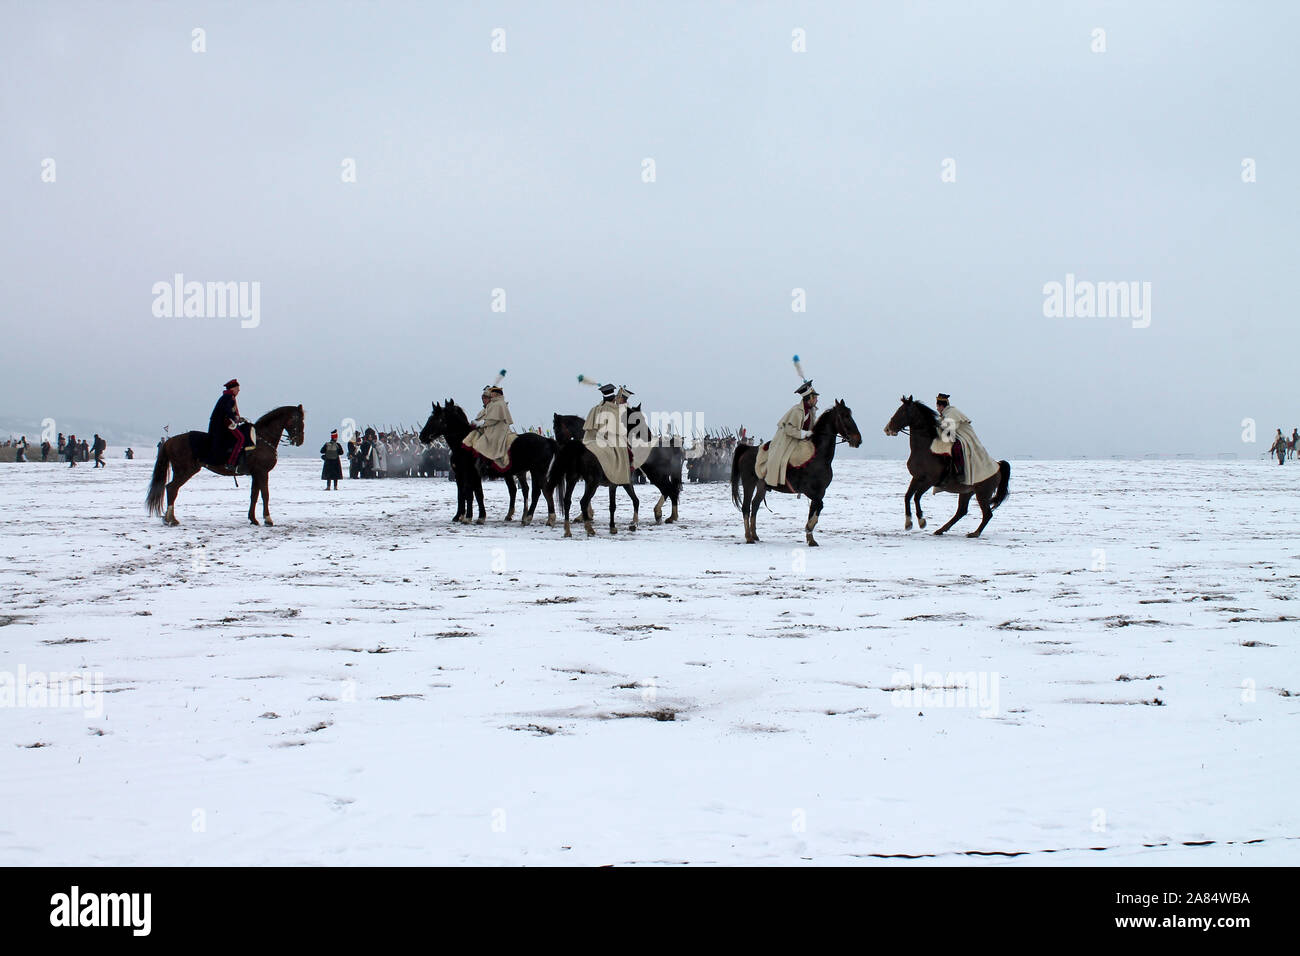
point(811, 479)
point(187, 454)
point(574, 462)
point(449, 422)
point(530, 454)
point(930, 470)
point(662, 468)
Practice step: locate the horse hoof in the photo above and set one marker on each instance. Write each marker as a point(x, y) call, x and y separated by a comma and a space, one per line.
point(939, 532)
point(658, 520)
point(550, 522)
point(631, 527)
point(591, 531)
point(613, 529)
point(268, 522)
point(671, 521)
point(252, 521)
point(973, 534)
point(921, 522)
point(480, 521)
point(813, 544)
point(907, 526)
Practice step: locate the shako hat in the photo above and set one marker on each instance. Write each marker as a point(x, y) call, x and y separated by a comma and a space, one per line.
point(233, 383)
point(806, 388)
point(606, 390)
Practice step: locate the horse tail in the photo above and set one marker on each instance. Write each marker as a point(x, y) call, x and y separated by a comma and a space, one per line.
point(154, 500)
point(555, 475)
point(1004, 476)
point(735, 474)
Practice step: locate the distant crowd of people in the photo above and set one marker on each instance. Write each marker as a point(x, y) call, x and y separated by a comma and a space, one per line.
point(70, 449)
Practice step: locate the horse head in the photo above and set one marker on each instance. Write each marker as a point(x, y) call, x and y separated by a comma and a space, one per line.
point(910, 412)
point(436, 426)
point(297, 427)
point(845, 426)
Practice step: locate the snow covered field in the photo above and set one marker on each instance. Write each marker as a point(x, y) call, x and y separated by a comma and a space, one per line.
point(365, 683)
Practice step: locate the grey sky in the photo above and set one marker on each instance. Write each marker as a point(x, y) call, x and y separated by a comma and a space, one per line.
point(775, 170)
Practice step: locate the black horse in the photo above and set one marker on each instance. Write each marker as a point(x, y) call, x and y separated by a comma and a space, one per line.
point(574, 462)
point(448, 421)
point(663, 467)
point(811, 479)
point(530, 454)
point(930, 470)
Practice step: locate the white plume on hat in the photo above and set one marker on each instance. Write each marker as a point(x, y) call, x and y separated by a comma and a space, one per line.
point(798, 367)
point(588, 380)
point(500, 375)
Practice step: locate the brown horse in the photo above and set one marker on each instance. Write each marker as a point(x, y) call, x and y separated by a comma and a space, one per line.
point(186, 455)
point(930, 470)
point(811, 479)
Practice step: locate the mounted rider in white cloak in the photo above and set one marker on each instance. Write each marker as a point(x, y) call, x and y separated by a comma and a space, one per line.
point(491, 436)
point(604, 432)
point(969, 463)
point(790, 447)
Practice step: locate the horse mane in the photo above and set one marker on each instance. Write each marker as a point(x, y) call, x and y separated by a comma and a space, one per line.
point(825, 421)
point(283, 411)
point(455, 413)
point(929, 424)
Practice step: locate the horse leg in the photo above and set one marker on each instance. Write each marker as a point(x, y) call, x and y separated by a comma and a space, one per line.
point(963, 500)
point(636, 506)
point(526, 517)
point(173, 489)
point(550, 500)
point(659, 508)
point(567, 501)
point(510, 484)
point(744, 511)
point(613, 528)
point(982, 496)
point(478, 496)
point(252, 500)
point(907, 505)
point(588, 492)
point(814, 512)
point(920, 518)
point(263, 483)
point(672, 518)
point(760, 492)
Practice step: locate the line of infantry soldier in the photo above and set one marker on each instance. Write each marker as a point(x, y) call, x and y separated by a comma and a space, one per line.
point(606, 434)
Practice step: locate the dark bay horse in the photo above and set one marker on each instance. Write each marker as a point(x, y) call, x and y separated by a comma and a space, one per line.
point(530, 454)
point(450, 423)
point(574, 462)
point(928, 469)
point(663, 467)
point(187, 455)
point(811, 479)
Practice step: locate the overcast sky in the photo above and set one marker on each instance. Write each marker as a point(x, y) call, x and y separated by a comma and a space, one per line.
point(774, 170)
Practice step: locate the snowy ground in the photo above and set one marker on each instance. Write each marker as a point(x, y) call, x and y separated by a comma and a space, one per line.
point(365, 683)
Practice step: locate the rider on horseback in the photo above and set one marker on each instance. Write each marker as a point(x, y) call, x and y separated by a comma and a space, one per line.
point(224, 428)
point(604, 432)
point(957, 440)
point(793, 428)
point(491, 436)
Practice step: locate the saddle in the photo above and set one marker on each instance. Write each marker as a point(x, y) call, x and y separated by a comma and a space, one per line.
point(201, 446)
